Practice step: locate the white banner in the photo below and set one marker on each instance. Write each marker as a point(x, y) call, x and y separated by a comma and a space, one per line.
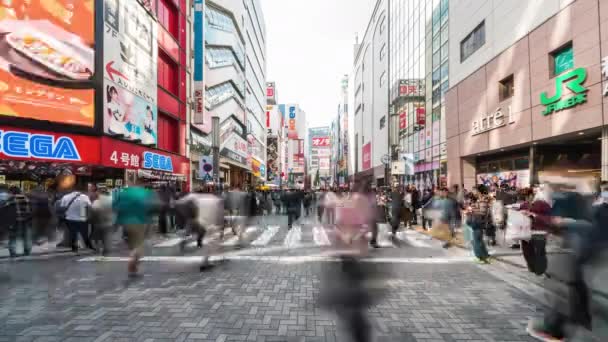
point(131, 48)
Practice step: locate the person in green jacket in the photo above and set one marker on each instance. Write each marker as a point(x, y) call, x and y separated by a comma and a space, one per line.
point(133, 207)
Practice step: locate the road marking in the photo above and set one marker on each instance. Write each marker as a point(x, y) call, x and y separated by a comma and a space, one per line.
point(169, 243)
point(413, 238)
point(293, 237)
point(320, 236)
point(234, 240)
point(266, 236)
point(283, 259)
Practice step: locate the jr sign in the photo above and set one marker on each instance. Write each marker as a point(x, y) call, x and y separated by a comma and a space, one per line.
point(572, 80)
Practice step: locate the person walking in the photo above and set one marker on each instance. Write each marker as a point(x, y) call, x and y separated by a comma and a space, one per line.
point(21, 227)
point(102, 220)
point(477, 216)
point(134, 207)
point(74, 207)
point(307, 202)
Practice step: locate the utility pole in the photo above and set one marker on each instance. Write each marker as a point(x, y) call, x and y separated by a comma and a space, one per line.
point(215, 145)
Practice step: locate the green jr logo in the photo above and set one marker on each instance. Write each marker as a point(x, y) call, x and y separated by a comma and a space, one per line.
point(573, 80)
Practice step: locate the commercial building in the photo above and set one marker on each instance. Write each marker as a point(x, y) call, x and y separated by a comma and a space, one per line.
point(370, 98)
point(528, 95)
point(234, 75)
point(319, 155)
point(119, 116)
point(294, 130)
point(275, 138)
point(339, 140)
point(419, 57)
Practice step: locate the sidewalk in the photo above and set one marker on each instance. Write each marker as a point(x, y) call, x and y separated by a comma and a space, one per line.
point(502, 251)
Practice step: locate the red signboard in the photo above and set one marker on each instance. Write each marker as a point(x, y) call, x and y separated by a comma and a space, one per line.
point(270, 92)
point(267, 119)
point(34, 145)
point(320, 142)
point(367, 156)
point(403, 120)
point(124, 155)
point(420, 115)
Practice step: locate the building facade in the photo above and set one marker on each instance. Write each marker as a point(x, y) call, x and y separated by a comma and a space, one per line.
point(124, 123)
point(529, 103)
point(339, 140)
point(419, 57)
point(294, 130)
point(319, 154)
point(234, 69)
point(370, 98)
point(274, 136)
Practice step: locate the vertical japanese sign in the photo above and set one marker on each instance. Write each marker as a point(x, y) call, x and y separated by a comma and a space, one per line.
point(201, 119)
point(367, 156)
point(292, 133)
point(130, 71)
point(403, 120)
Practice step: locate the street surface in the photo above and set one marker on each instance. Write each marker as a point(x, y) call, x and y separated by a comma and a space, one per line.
point(268, 290)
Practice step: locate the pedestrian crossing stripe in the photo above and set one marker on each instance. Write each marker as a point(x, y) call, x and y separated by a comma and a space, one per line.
point(284, 259)
point(321, 236)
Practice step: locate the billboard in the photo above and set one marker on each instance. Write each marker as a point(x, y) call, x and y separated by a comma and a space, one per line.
point(403, 120)
point(48, 60)
point(367, 156)
point(324, 164)
point(411, 88)
point(320, 142)
point(292, 132)
point(130, 71)
point(202, 118)
point(205, 169)
point(271, 96)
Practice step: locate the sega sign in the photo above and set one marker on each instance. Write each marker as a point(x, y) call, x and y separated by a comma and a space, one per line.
point(39, 146)
point(155, 161)
point(292, 112)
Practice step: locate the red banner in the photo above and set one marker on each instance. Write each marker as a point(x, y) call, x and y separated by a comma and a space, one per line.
point(420, 116)
point(367, 156)
point(403, 120)
point(320, 142)
point(123, 155)
point(34, 145)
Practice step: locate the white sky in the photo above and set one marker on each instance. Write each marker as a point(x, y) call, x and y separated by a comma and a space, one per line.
point(309, 47)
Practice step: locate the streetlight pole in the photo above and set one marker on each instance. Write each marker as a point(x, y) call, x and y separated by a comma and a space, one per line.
point(215, 145)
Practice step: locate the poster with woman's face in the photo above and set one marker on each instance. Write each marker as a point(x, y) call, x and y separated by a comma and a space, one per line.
point(128, 116)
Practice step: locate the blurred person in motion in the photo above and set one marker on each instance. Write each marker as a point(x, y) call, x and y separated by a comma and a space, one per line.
point(292, 203)
point(535, 250)
point(74, 207)
point(477, 216)
point(102, 220)
point(320, 204)
point(203, 213)
point(276, 200)
point(21, 226)
point(396, 210)
point(307, 201)
point(583, 224)
point(134, 207)
point(346, 291)
point(427, 199)
point(238, 204)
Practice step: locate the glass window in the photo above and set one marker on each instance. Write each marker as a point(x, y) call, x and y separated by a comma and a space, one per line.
point(436, 58)
point(436, 44)
point(220, 20)
point(444, 70)
point(562, 59)
point(482, 168)
point(506, 88)
point(383, 25)
point(168, 17)
point(445, 51)
point(382, 122)
point(473, 41)
point(383, 78)
point(436, 77)
point(493, 167)
point(506, 165)
point(444, 34)
point(444, 89)
point(382, 51)
point(521, 163)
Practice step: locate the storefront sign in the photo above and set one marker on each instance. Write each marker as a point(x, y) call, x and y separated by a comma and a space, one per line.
point(519, 179)
point(402, 120)
point(411, 88)
point(235, 149)
point(39, 145)
point(48, 61)
point(572, 80)
point(367, 156)
point(493, 120)
point(124, 155)
point(320, 142)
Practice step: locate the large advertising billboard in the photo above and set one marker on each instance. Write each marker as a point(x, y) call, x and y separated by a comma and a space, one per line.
point(130, 71)
point(47, 60)
point(202, 117)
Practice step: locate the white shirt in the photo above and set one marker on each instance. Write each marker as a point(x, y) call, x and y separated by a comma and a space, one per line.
point(78, 208)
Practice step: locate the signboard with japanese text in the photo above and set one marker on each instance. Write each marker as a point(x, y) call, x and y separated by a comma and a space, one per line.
point(270, 93)
point(292, 132)
point(320, 142)
point(124, 155)
point(202, 118)
point(411, 88)
point(48, 60)
point(234, 147)
point(34, 145)
point(367, 156)
point(428, 135)
point(205, 169)
point(403, 120)
point(130, 71)
point(324, 164)
point(421, 116)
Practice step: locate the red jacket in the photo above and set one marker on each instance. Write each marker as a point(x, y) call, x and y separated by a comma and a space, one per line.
point(541, 219)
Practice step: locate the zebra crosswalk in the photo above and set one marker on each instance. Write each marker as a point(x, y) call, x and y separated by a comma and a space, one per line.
point(314, 235)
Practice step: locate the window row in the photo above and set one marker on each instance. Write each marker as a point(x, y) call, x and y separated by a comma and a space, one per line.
point(168, 17)
point(218, 57)
point(220, 20)
point(473, 41)
point(168, 73)
point(222, 93)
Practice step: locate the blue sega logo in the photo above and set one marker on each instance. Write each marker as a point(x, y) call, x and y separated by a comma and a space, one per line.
point(39, 146)
point(156, 161)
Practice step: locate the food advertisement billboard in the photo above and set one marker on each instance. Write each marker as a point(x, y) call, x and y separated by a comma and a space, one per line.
point(130, 71)
point(47, 60)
